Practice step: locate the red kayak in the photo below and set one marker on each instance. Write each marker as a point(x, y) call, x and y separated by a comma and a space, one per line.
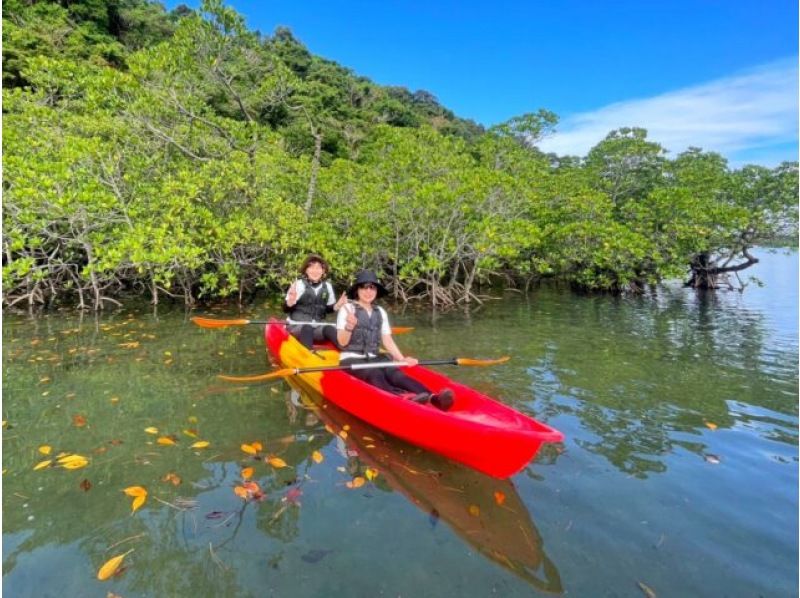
point(477, 431)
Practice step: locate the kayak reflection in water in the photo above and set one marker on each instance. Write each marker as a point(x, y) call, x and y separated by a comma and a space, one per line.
point(310, 299)
point(361, 327)
point(486, 513)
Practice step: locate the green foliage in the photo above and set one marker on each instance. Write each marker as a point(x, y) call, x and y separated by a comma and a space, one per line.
point(180, 154)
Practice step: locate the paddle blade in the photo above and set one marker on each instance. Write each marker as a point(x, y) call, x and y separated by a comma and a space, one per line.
point(259, 377)
point(212, 323)
point(481, 362)
point(401, 329)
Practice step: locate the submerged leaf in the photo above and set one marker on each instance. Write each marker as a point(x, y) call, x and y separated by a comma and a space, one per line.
point(241, 492)
point(151, 430)
point(191, 433)
point(110, 567)
point(79, 421)
point(711, 425)
point(499, 497)
point(247, 473)
point(173, 478)
point(474, 510)
point(85, 485)
point(646, 589)
point(370, 473)
point(357, 482)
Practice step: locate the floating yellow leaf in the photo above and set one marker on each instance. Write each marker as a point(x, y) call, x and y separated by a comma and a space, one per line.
point(257, 445)
point(346, 427)
point(499, 497)
point(135, 491)
point(76, 464)
point(44, 380)
point(317, 456)
point(45, 449)
point(111, 566)
point(711, 425)
point(70, 458)
point(165, 440)
point(241, 492)
point(368, 439)
point(357, 482)
point(5, 423)
point(151, 430)
point(276, 462)
point(168, 353)
point(370, 473)
point(43, 464)
point(138, 502)
point(474, 510)
point(130, 345)
point(192, 419)
point(247, 473)
point(190, 433)
point(249, 449)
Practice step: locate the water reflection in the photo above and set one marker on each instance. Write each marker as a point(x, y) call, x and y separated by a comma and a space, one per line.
point(646, 376)
point(486, 513)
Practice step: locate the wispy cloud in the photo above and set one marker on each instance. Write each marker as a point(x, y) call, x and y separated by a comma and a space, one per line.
point(751, 117)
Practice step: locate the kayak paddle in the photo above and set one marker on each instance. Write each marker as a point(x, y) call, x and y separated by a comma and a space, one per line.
point(363, 366)
point(214, 323)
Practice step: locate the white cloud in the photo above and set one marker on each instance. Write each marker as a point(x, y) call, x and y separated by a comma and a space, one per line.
point(750, 117)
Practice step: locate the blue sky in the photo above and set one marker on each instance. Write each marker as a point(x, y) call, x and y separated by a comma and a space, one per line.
point(718, 74)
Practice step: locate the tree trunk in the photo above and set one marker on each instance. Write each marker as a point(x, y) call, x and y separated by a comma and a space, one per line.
point(707, 275)
point(312, 183)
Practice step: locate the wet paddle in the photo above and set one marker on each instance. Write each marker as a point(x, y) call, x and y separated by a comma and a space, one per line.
point(362, 366)
point(214, 323)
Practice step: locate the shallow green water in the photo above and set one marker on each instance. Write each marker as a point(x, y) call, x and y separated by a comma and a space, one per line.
point(642, 491)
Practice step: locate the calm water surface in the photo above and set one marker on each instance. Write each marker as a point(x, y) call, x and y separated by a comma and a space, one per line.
point(679, 470)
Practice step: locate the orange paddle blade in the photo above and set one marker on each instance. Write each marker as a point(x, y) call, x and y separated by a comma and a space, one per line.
point(259, 377)
point(481, 362)
point(401, 329)
point(212, 323)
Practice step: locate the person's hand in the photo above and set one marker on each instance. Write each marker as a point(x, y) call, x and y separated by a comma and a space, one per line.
point(291, 296)
point(411, 360)
point(351, 321)
point(342, 300)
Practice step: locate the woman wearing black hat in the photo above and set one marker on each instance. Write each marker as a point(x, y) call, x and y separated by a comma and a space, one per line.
point(310, 299)
point(362, 327)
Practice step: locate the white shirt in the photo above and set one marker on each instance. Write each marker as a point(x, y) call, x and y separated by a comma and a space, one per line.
point(341, 324)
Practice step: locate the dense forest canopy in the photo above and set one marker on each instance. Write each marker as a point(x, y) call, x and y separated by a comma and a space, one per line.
point(180, 154)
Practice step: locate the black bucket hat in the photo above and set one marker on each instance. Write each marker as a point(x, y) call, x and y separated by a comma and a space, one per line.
point(365, 277)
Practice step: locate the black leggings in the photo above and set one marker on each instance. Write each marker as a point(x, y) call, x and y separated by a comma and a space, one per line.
point(307, 335)
point(391, 379)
